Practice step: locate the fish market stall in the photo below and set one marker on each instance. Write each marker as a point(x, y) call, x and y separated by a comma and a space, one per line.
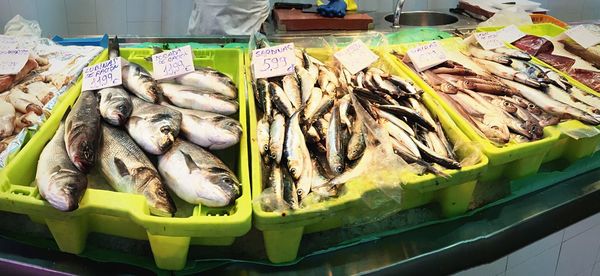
point(405, 151)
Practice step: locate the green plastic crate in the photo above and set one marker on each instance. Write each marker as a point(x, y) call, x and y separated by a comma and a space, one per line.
point(127, 215)
point(566, 147)
point(511, 161)
point(282, 233)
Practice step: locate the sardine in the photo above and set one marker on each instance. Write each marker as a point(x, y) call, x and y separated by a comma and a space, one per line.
point(115, 105)
point(313, 103)
point(277, 137)
point(263, 96)
point(210, 79)
point(263, 136)
point(307, 83)
point(153, 127)
point(197, 176)
point(357, 143)
point(292, 90)
point(203, 100)
point(128, 170)
point(139, 82)
point(281, 100)
point(82, 131)
point(58, 181)
point(335, 149)
point(295, 149)
point(208, 130)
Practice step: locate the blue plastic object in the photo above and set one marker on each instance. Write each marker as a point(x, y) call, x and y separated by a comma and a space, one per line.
point(80, 41)
point(335, 8)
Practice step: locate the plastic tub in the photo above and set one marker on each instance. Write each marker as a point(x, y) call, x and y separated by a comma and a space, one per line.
point(283, 232)
point(101, 41)
point(511, 161)
point(567, 147)
point(127, 215)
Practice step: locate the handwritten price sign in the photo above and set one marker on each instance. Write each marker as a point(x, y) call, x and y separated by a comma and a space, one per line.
point(510, 34)
point(12, 61)
point(173, 63)
point(583, 36)
point(102, 75)
point(356, 57)
point(489, 40)
point(426, 56)
point(8, 42)
point(273, 61)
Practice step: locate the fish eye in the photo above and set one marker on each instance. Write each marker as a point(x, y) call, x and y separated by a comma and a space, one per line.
point(300, 192)
point(165, 129)
point(292, 170)
point(339, 169)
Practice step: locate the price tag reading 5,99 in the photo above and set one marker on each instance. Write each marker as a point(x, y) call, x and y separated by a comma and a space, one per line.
point(273, 61)
point(426, 56)
point(102, 75)
point(173, 63)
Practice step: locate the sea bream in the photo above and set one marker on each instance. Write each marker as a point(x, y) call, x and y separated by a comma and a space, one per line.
point(115, 105)
point(153, 127)
point(197, 176)
point(58, 180)
point(209, 79)
point(197, 99)
point(82, 131)
point(128, 170)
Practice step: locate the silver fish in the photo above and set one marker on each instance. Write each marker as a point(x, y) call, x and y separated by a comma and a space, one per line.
point(58, 181)
point(193, 98)
point(262, 135)
point(115, 105)
point(277, 137)
point(295, 149)
point(335, 150)
point(82, 131)
point(197, 176)
point(210, 79)
point(307, 83)
point(292, 90)
point(263, 96)
point(281, 100)
point(128, 170)
point(153, 127)
point(139, 82)
point(223, 131)
point(357, 143)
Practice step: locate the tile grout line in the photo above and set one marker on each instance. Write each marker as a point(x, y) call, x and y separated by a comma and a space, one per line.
point(559, 251)
point(540, 253)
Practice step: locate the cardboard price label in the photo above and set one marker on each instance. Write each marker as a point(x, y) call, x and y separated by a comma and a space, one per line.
point(173, 63)
point(356, 57)
point(489, 40)
point(8, 42)
point(273, 61)
point(102, 75)
point(510, 34)
point(583, 36)
point(13, 60)
point(426, 56)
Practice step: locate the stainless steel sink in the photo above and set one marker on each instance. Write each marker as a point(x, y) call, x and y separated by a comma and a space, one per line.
point(423, 18)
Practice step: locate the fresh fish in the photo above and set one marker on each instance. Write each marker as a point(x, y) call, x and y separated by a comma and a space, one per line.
point(290, 192)
point(153, 127)
point(357, 143)
point(128, 170)
point(313, 103)
point(309, 64)
point(292, 90)
point(276, 183)
point(488, 55)
point(401, 136)
point(82, 131)
point(295, 149)
point(262, 135)
point(223, 131)
point(115, 105)
point(210, 79)
point(277, 137)
point(197, 176)
point(587, 98)
point(263, 96)
point(7, 118)
point(408, 113)
point(432, 156)
point(564, 97)
point(58, 181)
point(513, 53)
point(203, 100)
point(139, 82)
point(335, 149)
point(324, 106)
point(508, 73)
point(344, 107)
point(307, 83)
point(281, 100)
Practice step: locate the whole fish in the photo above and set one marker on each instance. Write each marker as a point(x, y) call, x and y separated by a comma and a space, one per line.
point(263, 96)
point(295, 149)
point(210, 79)
point(307, 83)
point(262, 135)
point(197, 176)
point(513, 53)
point(153, 127)
point(128, 170)
point(488, 55)
point(139, 82)
point(277, 137)
point(82, 131)
point(281, 101)
point(292, 90)
point(275, 181)
point(58, 181)
point(115, 105)
point(357, 143)
point(193, 98)
point(223, 131)
point(335, 150)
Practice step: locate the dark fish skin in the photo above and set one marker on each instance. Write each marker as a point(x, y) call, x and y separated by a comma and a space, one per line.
point(82, 131)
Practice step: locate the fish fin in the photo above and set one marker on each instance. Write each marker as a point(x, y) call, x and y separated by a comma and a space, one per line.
point(159, 117)
point(121, 167)
point(189, 162)
point(217, 170)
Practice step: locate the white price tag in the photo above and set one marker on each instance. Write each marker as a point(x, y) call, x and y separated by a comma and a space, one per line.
point(510, 34)
point(173, 63)
point(8, 42)
point(102, 75)
point(426, 56)
point(489, 40)
point(273, 61)
point(356, 57)
point(12, 61)
point(583, 36)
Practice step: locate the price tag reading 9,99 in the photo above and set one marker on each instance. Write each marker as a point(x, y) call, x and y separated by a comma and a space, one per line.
point(426, 56)
point(12, 61)
point(356, 56)
point(273, 61)
point(102, 75)
point(173, 63)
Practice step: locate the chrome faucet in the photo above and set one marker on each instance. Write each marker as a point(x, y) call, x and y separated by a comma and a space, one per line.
point(397, 13)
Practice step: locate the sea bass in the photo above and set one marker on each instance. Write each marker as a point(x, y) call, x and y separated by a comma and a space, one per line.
point(210, 79)
point(153, 127)
point(115, 105)
point(82, 131)
point(139, 82)
point(194, 98)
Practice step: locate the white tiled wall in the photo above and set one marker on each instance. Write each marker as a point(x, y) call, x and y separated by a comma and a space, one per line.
point(170, 17)
point(574, 251)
